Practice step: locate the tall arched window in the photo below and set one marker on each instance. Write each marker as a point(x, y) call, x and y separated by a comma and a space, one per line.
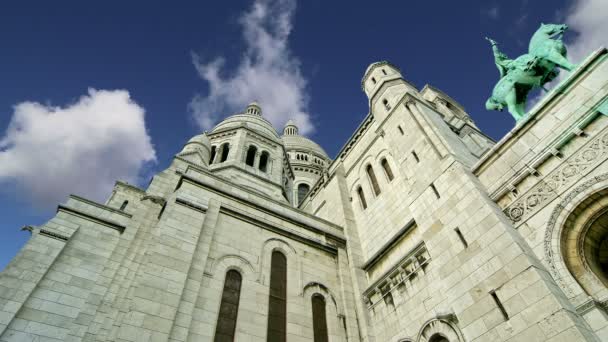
point(277, 302)
point(250, 158)
point(387, 169)
point(361, 197)
point(303, 189)
point(213, 150)
point(226, 320)
point(319, 320)
point(225, 151)
point(264, 161)
point(373, 180)
point(124, 205)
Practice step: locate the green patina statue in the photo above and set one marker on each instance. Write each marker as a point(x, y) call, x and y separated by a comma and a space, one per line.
point(532, 70)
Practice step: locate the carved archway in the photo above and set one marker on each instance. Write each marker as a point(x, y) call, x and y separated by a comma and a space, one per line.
point(439, 330)
point(576, 241)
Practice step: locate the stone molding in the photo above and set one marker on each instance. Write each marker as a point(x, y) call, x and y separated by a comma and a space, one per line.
point(553, 231)
point(565, 175)
point(105, 222)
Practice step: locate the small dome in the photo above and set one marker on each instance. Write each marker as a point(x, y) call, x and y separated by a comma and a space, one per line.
point(198, 143)
point(301, 143)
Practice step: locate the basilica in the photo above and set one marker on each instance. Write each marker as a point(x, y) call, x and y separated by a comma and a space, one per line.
point(422, 228)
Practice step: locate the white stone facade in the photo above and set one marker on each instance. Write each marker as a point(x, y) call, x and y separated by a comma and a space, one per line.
point(421, 229)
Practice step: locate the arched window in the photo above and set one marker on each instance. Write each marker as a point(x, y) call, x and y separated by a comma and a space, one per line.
point(374, 80)
point(361, 197)
point(386, 105)
point(319, 320)
point(384, 71)
point(303, 189)
point(229, 307)
point(124, 205)
point(213, 150)
point(225, 151)
point(277, 302)
point(264, 161)
point(387, 169)
point(250, 158)
point(373, 180)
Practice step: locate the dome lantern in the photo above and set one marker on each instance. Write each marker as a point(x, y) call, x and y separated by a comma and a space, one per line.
point(254, 109)
point(290, 128)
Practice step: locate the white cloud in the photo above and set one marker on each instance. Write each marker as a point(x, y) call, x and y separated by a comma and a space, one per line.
point(50, 152)
point(267, 72)
point(588, 19)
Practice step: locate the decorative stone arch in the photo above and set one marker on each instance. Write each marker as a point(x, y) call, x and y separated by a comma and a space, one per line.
point(439, 329)
point(384, 154)
point(333, 313)
point(232, 261)
point(296, 190)
point(293, 263)
point(218, 270)
point(245, 151)
point(565, 240)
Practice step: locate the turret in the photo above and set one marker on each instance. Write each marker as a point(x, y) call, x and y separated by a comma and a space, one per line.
point(384, 86)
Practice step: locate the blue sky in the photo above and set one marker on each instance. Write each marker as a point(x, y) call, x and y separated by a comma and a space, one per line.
point(77, 77)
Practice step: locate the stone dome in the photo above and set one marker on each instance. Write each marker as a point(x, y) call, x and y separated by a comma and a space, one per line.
point(198, 143)
point(293, 141)
point(250, 119)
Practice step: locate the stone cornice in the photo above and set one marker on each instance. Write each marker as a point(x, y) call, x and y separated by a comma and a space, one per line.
point(271, 209)
point(101, 206)
point(102, 221)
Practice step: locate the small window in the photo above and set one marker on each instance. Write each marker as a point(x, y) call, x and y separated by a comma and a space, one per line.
point(225, 151)
point(361, 198)
point(264, 161)
point(213, 150)
point(400, 130)
point(374, 80)
point(319, 319)
point(461, 237)
point(250, 159)
point(303, 190)
point(498, 303)
point(387, 169)
point(386, 105)
point(435, 191)
point(373, 180)
point(415, 156)
point(124, 205)
point(384, 71)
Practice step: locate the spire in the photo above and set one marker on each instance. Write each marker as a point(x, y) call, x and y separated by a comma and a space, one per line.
point(254, 108)
point(290, 128)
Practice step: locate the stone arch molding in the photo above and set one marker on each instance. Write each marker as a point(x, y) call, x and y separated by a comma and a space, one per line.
point(441, 327)
point(227, 262)
point(293, 261)
point(563, 212)
point(333, 313)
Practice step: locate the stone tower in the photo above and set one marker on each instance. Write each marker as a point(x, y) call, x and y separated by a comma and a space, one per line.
point(421, 229)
